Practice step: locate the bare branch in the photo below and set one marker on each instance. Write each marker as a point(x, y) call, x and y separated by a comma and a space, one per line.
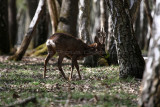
point(28, 36)
point(24, 102)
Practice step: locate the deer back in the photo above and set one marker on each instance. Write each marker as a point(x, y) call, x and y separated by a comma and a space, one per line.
point(68, 44)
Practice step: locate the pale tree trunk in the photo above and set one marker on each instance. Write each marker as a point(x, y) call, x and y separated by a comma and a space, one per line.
point(94, 18)
point(84, 18)
point(42, 29)
point(111, 46)
point(58, 6)
point(4, 36)
point(150, 96)
point(148, 12)
point(110, 42)
point(53, 12)
point(104, 28)
point(68, 17)
point(12, 13)
point(28, 36)
point(131, 62)
point(103, 17)
point(148, 5)
point(142, 26)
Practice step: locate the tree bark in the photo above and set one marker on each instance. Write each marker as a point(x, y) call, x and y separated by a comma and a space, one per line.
point(149, 9)
point(42, 29)
point(53, 12)
point(68, 17)
point(103, 17)
point(111, 46)
point(131, 62)
point(150, 96)
point(148, 12)
point(12, 13)
point(84, 8)
point(28, 36)
point(133, 8)
point(4, 36)
point(84, 18)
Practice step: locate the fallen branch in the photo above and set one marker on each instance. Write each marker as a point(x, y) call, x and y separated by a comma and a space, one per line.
point(24, 101)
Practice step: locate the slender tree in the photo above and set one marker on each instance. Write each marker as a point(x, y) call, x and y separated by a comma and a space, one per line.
point(4, 36)
point(53, 12)
point(84, 7)
point(84, 18)
point(12, 17)
point(150, 96)
point(111, 46)
point(148, 7)
point(103, 17)
point(42, 28)
point(131, 62)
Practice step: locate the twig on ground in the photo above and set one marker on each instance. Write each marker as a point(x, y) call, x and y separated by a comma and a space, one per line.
point(24, 101)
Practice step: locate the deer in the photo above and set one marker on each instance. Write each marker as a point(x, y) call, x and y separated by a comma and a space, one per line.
point(69, 46)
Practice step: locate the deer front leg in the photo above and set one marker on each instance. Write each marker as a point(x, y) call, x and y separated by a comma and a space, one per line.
point(77, 67)
point(60, 59)
point(50, 54)
point(70, 77)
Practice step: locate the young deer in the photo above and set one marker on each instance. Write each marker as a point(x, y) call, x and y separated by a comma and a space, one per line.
point(68, 46)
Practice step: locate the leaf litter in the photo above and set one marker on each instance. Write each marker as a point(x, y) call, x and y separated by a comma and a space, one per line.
point(100, 86)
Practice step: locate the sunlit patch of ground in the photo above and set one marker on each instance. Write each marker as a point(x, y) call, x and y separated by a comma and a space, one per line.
point(100, 86)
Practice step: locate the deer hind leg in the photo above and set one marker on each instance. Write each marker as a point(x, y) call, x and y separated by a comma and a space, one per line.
point(77, 67)
point(60, 59)
point(51, 52)
point(72, 65)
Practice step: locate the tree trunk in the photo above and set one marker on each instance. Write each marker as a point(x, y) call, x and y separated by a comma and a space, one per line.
point(148, 9)
point(148, 12)
point(103, 17)
point(42, 29)
point(12, 13)
point(133, 6)
point(131, 62)
point(4, 36)
point(68, 17)
point(111, 46)
point(141, 27)
point(150, 96)
point(28, 36)
point(84, 18)
point(84, 10)
point(53, 12)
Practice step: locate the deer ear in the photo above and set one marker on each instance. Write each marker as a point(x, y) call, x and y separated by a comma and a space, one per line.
point(96, 40)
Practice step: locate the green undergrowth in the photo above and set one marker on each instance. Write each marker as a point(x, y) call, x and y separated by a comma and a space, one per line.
point(100, 86)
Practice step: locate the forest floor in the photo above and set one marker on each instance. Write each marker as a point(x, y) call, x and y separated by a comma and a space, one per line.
point(100, 86)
